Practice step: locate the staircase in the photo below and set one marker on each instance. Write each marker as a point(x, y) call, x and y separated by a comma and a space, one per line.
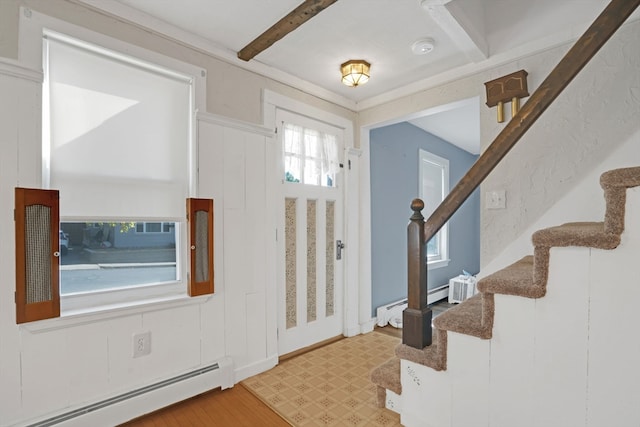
point(548, 341)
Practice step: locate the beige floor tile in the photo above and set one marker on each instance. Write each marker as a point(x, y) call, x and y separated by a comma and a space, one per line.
point(329, 386)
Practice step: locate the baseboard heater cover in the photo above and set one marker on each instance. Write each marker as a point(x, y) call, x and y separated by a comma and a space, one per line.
point(389, 312)
point(122, 397)
point(437, 294)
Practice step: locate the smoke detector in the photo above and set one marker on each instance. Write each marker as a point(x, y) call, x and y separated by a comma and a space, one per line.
point(423, 46)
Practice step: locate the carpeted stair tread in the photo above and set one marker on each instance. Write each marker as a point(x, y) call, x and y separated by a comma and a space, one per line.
point(516, 279)
point(433, 356)
point(621, 178)
point(615, 184)
point(387, 375)
point(589, 234)
point(472, 317)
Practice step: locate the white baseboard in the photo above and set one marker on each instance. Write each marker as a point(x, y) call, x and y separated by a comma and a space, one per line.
point(367, 326)
point(351, 331)
point(255, 368)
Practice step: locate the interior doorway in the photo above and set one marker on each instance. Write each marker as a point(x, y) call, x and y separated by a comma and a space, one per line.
point(451, 132)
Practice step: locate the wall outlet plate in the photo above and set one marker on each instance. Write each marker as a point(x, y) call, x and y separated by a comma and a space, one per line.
point(142, 344)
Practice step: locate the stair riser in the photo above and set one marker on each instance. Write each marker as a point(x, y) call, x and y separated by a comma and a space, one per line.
point(468, 365)
point(393, 402)
point(421, 384)
point(512, 355)
point(613, 375)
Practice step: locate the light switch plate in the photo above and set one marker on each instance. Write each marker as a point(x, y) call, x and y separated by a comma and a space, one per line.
point(496, 199)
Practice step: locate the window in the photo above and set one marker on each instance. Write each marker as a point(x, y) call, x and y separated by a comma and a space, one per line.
point(155, 227)
point(111, 255)
point(152, 227)
point(117, 143)
point(310, 155)
point(434, 187)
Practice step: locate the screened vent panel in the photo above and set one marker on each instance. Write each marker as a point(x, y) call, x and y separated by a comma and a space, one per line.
point(37, 242)
point(37, 254)
point(200, 215)
point(202, 247)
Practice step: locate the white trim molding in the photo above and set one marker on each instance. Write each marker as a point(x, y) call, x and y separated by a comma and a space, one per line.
point(235, 124)
point(11, 68)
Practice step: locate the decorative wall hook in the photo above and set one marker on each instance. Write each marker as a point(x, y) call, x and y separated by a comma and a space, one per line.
point(507, 88)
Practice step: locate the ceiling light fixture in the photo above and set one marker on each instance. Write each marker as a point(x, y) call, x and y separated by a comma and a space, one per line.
point(423, 46)
point(355, 72)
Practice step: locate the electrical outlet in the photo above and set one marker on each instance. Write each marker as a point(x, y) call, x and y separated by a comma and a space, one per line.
point(142, 344)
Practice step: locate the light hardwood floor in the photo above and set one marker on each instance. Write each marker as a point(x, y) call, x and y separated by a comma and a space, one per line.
point(218, 408)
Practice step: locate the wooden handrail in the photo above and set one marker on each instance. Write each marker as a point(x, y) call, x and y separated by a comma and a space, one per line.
point(578, 56)
point(417, 317)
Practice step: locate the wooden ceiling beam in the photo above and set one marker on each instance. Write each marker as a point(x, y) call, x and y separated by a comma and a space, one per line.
point(298, 16)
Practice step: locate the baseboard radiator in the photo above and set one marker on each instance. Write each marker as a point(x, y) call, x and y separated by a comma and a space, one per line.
point(437, 294)
point(224, 367)
point(387, 313)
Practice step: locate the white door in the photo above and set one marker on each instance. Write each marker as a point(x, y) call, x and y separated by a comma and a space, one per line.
point(310, 268)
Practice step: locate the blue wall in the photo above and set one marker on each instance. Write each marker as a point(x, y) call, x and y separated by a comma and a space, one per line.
point(394, 183)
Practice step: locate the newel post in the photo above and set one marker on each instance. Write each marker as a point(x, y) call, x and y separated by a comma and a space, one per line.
point(416, 318)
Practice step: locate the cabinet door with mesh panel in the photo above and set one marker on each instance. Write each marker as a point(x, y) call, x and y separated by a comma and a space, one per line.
point(37, 222)
point(200, 216)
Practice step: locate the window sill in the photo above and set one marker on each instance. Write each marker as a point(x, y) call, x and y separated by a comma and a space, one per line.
point(76, 317)
point(438, 264)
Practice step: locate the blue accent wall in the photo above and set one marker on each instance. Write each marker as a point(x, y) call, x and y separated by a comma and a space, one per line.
point(394, 184)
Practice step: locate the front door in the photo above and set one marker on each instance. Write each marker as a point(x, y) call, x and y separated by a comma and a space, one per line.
point(310, 277)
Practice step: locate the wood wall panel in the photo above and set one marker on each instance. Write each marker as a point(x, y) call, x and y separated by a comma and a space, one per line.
point(561, 349)
point(512, 354)
point(236, 177)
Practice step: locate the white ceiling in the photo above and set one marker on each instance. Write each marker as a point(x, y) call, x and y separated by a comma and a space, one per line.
point(458, 123)
point(469, 35)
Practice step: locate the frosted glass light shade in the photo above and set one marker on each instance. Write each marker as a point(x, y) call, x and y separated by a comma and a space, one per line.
point(355, 72)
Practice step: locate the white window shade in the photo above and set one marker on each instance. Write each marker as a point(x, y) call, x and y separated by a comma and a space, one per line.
point(119, 135)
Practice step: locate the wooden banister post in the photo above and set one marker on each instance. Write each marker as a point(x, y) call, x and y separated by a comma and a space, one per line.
point(416, 318)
